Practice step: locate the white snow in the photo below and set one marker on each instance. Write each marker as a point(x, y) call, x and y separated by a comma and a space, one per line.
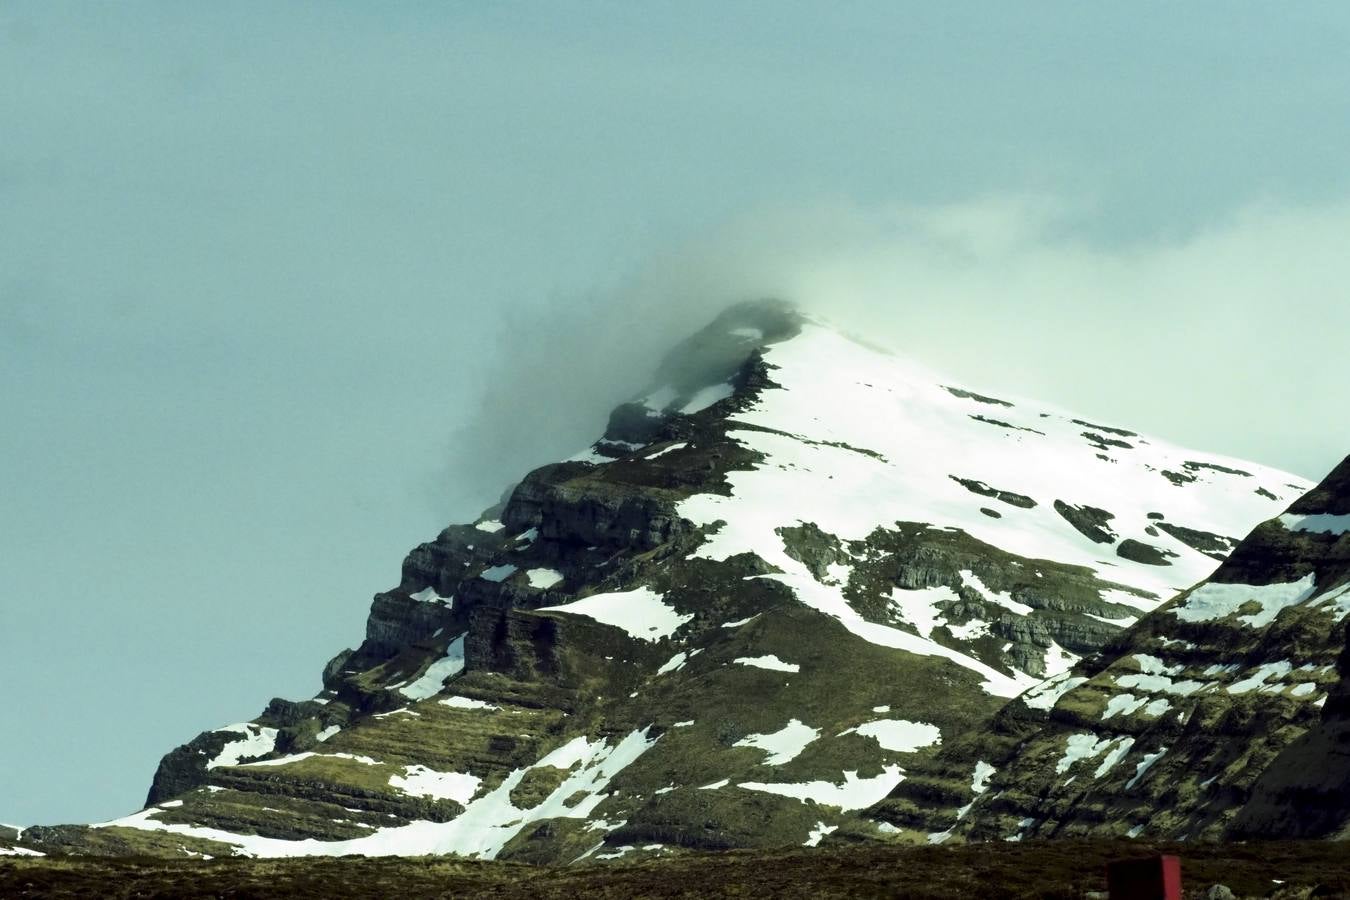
point(853, 793)
point(716, 785)
point(1004, 600)
point(328, 732)
point(641, 612)
point(899, 735)
point(457, 702)
point(419, 781)
point(428, 595)
point(401, 711)
point(676, 662)
point(1058, 660)
point(543, 578)
point(1157, 707)
point(881, 709)
point(829, 599)
point(783, 745)
point(1123, 704)
point(1114, 755)
point(257, 741)
point(821, 829)
point(1213, 600)
point(768, 661)
point(568, 755)
point(433, 679)
point(491, 526)
point(1142, 767)
point(297, 757)
point(1122, 622)
point(497, 573)
point(919, 607)
point(979, 782)
point(19, 851)
point(836, 395)
point(707, 397)
point(1322, 523)
point(679, 445)
point(1260, 675)
point(1080, 746)
point(739, 622)
point(1155, 677)
point(486, 825)
point(1336, 600)
point(1045, 695)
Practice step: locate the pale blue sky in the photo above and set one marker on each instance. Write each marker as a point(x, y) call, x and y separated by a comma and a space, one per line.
point(285, 288)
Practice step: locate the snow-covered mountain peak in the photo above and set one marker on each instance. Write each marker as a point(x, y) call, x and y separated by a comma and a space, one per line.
point(793, 569)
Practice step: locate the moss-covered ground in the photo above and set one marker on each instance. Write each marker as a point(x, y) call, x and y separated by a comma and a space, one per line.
point(1058, 869)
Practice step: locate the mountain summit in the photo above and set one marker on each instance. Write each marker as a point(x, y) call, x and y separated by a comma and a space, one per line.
point(792, 572)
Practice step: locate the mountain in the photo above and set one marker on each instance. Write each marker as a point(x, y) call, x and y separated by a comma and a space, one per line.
point(1220, 715)
point(793, 571)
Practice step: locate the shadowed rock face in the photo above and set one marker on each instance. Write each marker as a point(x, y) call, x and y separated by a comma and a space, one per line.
point(762, 599)
point(1225, 713)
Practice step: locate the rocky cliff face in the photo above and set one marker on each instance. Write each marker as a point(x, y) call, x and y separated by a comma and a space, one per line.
point(1220, 715)
point(791, 576)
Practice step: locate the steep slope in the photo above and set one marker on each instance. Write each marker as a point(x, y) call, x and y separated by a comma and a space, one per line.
point(1222, 714)
point(789, 573)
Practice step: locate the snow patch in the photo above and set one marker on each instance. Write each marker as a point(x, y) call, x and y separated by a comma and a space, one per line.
point(768, 661)
point(458, 702)
point(1045, 695)
point(679, 445)
point(1142, 767)
point(1260, 675)
point(639, 612)
point(783, 745)
point(497, 573)
point(419, 781)
point(821, 829)
point(544, 578)
point(257, 741)
point(433, 679)
point(429, 595)
point(1213, 600)
point(853, 793)
point(899, 735)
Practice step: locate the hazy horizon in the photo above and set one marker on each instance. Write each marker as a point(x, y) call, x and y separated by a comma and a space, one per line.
point(285, 289)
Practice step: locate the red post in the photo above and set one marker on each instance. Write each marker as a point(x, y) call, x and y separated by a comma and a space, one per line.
point(1154, 878)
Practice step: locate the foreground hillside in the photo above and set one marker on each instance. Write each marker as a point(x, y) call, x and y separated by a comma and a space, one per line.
point(793, 570)
point(1037, 869)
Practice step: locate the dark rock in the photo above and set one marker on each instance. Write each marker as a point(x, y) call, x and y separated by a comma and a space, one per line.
point(984, 490)
point(1089, 520)
point(1138, 551)
point(978, 398)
